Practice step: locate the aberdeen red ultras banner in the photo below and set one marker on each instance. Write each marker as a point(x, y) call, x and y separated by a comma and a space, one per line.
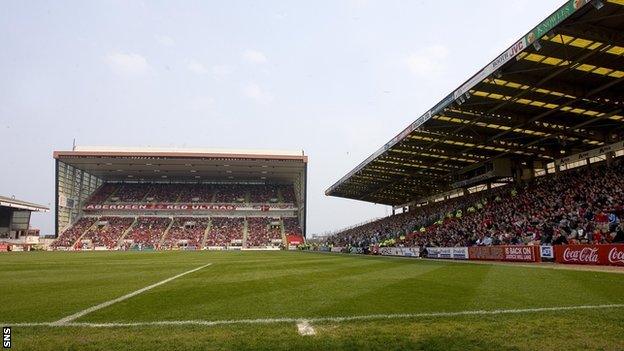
point(590, 254)
point(161, 207)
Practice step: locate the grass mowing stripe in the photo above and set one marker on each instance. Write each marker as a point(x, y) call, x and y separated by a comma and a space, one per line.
point(323, 319)
point(84, 312)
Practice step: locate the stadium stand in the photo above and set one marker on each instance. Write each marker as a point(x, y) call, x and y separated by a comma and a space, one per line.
point(178, 199)
point(582, 205)
point(527, 151)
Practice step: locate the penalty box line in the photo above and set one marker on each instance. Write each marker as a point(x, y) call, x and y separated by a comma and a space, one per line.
point(305, 322)
point(73, 317)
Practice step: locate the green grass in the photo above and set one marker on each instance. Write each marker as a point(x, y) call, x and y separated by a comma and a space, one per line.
point(46, 286)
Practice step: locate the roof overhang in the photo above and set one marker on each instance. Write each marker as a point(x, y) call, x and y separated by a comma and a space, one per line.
point(131, 164)
point(21, 205)
point(556, 91)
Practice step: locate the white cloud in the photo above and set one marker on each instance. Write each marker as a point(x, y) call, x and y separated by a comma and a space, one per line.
point(197, 67)
point(165, 40)
point(201, 104)
point(279, 15)
point(256, 93)
point(428, 61)
point(127, 63)
point(221, 70)
point(254, 56)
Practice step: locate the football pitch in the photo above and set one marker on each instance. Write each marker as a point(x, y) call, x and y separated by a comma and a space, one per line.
point(208, 300)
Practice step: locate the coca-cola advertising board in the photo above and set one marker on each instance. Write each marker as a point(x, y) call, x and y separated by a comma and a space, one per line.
point(612, 255)
point(615, 255)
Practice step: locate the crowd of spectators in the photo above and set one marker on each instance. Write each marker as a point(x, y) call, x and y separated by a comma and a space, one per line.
point(288, 194)
point(291, 226)
point(263, 231)
point(108, 231)
point(186, 231)
point(187, 193)
point(103, 193)
point(582, 205)
point(231, 193)
point(263, 193)
point(195, 193)
point(225, 230)
point(148, 231)
point(69, 237)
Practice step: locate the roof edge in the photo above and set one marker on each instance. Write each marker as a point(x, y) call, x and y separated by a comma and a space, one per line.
point(554, 19)
point(20, 204)
point(181, 153)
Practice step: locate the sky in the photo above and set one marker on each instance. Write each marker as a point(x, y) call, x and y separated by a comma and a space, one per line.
point(336, 79)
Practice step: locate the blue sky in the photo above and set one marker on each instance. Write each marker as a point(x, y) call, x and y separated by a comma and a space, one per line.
point(337, 79)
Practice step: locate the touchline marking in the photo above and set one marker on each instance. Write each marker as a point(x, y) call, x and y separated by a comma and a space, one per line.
point(68, 319)
point(304, 328)
point(319, 319)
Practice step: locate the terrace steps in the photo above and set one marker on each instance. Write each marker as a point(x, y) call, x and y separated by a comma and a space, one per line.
point(283, 231)
point(206, 232)
point(121, 238)
point(165, 232)
point(245, 232)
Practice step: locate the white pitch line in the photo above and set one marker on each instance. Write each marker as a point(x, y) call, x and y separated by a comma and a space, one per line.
point(321, 319)
point(84, 312)
point(305, 328)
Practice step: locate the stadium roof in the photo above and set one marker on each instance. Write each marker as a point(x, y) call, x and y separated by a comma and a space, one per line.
point(557, 91)
point(22, 205)
point(151, 164)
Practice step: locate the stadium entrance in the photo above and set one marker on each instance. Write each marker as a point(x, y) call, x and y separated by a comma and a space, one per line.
point(146, 199)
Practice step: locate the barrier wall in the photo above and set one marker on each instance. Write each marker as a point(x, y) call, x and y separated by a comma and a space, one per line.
point(612, 255)
point(511, 253)
point(605, 254)
point(452, 253)
point(399, 251)
point(487, 253)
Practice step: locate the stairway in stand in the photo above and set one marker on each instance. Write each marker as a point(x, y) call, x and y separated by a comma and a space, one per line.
point(162, 238)
point(203, 243)
point(120, 241)
point(245, 232)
